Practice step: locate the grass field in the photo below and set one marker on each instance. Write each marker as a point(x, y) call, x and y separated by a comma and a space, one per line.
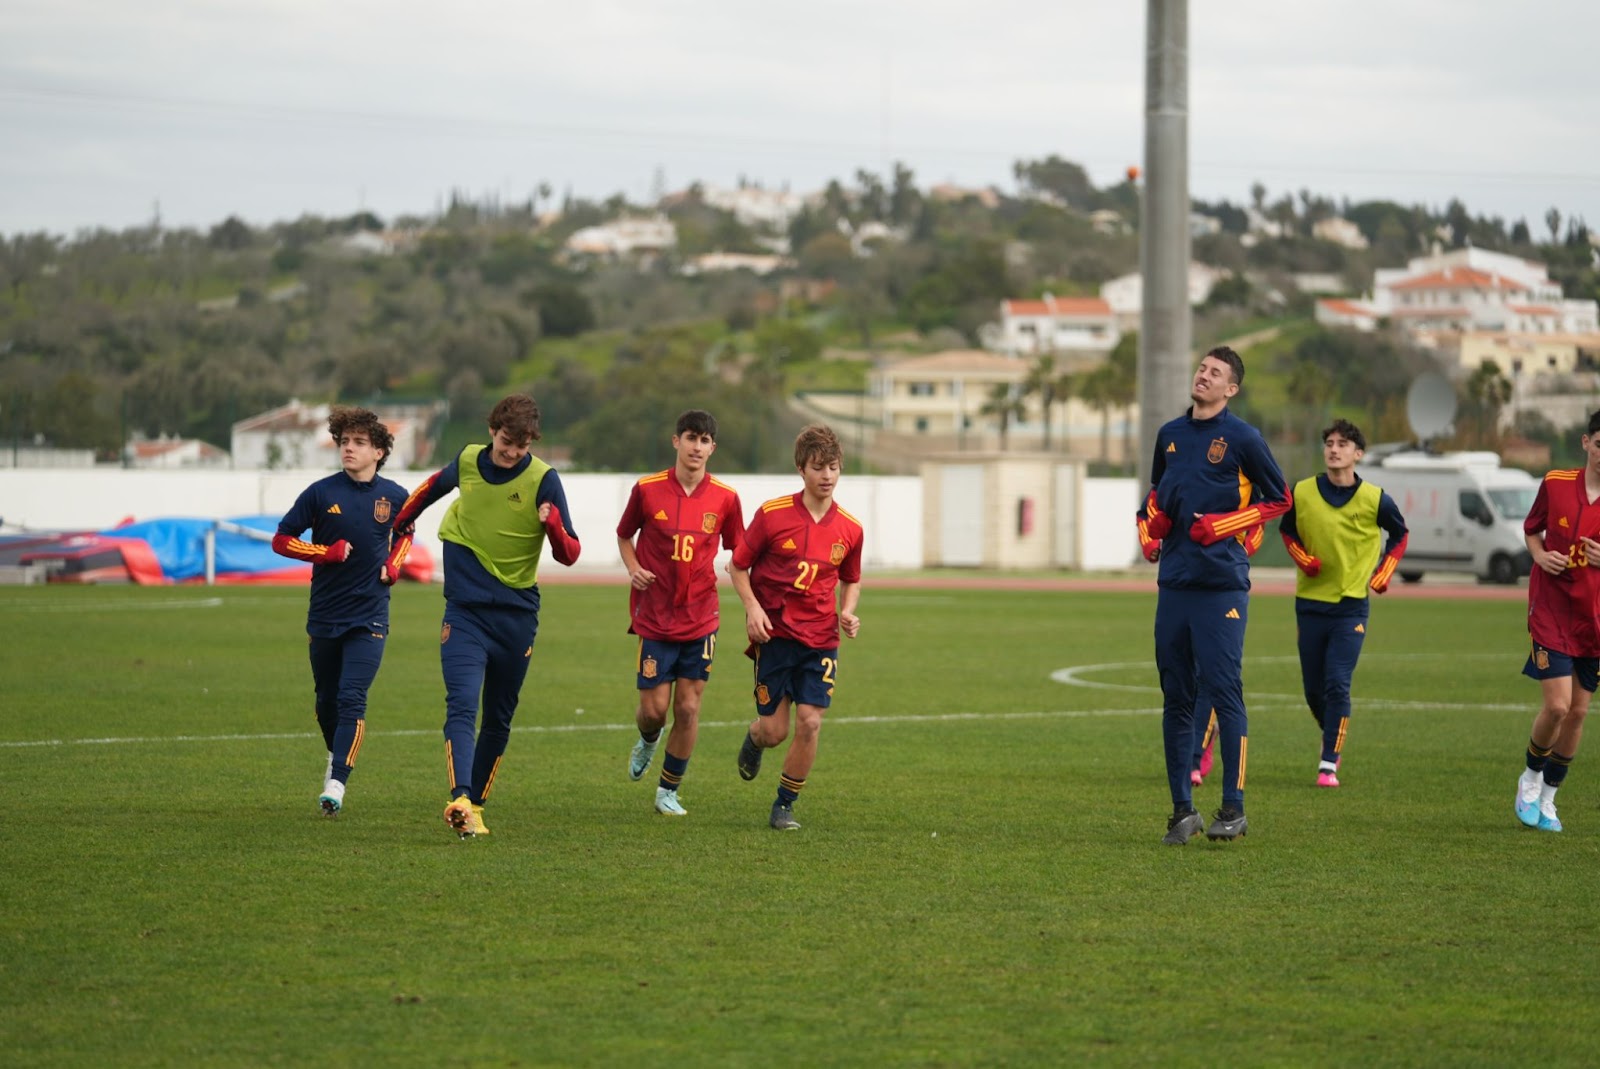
point(979, 880)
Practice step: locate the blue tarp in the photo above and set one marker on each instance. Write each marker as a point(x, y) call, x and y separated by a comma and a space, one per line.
point(180, 546)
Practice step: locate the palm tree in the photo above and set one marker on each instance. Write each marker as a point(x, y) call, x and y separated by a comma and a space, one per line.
point(1490, 390)
point(1003, 404)
point(1045, 383)
point(1096, 389)
point(1122, 386)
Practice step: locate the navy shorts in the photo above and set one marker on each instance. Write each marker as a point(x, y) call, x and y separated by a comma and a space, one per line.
point(663, 662)
point(787, 669)
point(1544, 663)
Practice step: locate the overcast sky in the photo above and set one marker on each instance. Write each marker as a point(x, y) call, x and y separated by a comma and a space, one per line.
point(270, 109)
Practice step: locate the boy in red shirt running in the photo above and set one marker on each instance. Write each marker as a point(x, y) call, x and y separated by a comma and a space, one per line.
point(797, 551)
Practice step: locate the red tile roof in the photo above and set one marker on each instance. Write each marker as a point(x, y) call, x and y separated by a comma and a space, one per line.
point(1460, 278)
point(1058, 306)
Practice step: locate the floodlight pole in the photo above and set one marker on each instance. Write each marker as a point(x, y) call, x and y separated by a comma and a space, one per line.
point(1165, 329)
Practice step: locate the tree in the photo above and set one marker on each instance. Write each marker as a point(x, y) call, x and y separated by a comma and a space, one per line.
point(1489, 390)
point(1005, 406)
point(1098, 390)
point(1049, 385)
point(1057, 177)
point(564, 310)
point(1552, 219)
point(232, 234)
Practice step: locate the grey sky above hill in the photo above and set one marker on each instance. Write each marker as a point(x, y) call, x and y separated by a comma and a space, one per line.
point(270, 109)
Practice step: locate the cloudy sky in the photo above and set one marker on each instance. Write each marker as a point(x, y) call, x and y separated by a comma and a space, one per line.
point(270, 109)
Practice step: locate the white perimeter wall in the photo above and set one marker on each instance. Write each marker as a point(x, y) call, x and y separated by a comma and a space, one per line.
point(889, 507)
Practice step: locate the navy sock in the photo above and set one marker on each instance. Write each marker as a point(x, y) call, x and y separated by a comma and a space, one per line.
point(789, 789)
point(1555, 770)
point(1537, 756)
point(672, 771)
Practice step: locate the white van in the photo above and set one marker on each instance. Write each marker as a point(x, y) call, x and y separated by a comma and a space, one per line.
point(1463, 510)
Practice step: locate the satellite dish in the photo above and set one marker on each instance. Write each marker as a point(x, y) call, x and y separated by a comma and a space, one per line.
point(1430, 406)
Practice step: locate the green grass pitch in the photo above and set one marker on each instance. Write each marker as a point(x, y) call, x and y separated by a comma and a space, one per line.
point(979, 881)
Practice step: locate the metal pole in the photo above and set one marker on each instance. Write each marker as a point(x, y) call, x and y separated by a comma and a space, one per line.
point(1166, 331)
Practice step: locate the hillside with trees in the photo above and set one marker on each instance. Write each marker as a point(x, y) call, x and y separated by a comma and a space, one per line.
point(152, 331)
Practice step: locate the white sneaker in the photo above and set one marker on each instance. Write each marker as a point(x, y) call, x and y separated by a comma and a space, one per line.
point(332, 798)
point(667, 802)
point(1548, 821)
point(1528, 797)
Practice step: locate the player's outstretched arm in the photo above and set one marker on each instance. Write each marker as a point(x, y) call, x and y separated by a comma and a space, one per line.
point(289, 546)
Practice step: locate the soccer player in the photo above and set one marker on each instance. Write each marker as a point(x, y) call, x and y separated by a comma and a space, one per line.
point(678, 515)
point(1563, 534)
point(799, 553)
point(511, 503)
point(1333, 530)
point(348, 515)
point(1213, 487)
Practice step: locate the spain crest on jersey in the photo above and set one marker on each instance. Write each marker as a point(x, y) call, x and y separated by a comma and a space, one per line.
point(836, 554)
point(708, 522)
point(647, 668)
point(444, 634)
point(382, 509)
point(1218, 450)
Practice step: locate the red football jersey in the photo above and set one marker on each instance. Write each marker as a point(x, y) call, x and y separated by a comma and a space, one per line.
point(796, 563)
point(1564, 610)
point(678, 535)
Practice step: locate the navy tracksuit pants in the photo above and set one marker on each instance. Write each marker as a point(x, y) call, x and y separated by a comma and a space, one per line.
point(1330, 645)
point(484, 652)
point(1200, 646)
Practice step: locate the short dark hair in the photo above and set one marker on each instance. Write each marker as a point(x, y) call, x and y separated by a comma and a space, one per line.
point(1594, 422)
point(1350, 432)
point(343, 419)
point(818, 443)
point(518, 416)
point(699, 421)
point(1234, 361)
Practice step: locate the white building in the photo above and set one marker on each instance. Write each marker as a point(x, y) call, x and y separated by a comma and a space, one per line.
point(624, 237)
point(173, 453)
point(1125, 294)
point(295, 435)
point(1469, 290)
point(1074, 326)
point(764, 208)
point(756, 264)
point(1339, 231)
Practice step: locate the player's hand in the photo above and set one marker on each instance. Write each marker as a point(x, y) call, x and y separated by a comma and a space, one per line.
point(544, 512)
point(337, 553)
point(1377, 585)
point(757, 626)
point(641, 578)
point(389, 574)
point(1312, 566)
point(1152, 550)
point(850, 624)
point(1200, 532)
point(1551, 561)
point(1156, 522)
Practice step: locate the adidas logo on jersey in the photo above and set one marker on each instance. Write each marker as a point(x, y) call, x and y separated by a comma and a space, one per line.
point(516, 497)
point(1231, 614)
point(1361, 629)
point(1172, 447)
point(788, 543)
point(335, 511)
point(1562, 522)
point(661, 514)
